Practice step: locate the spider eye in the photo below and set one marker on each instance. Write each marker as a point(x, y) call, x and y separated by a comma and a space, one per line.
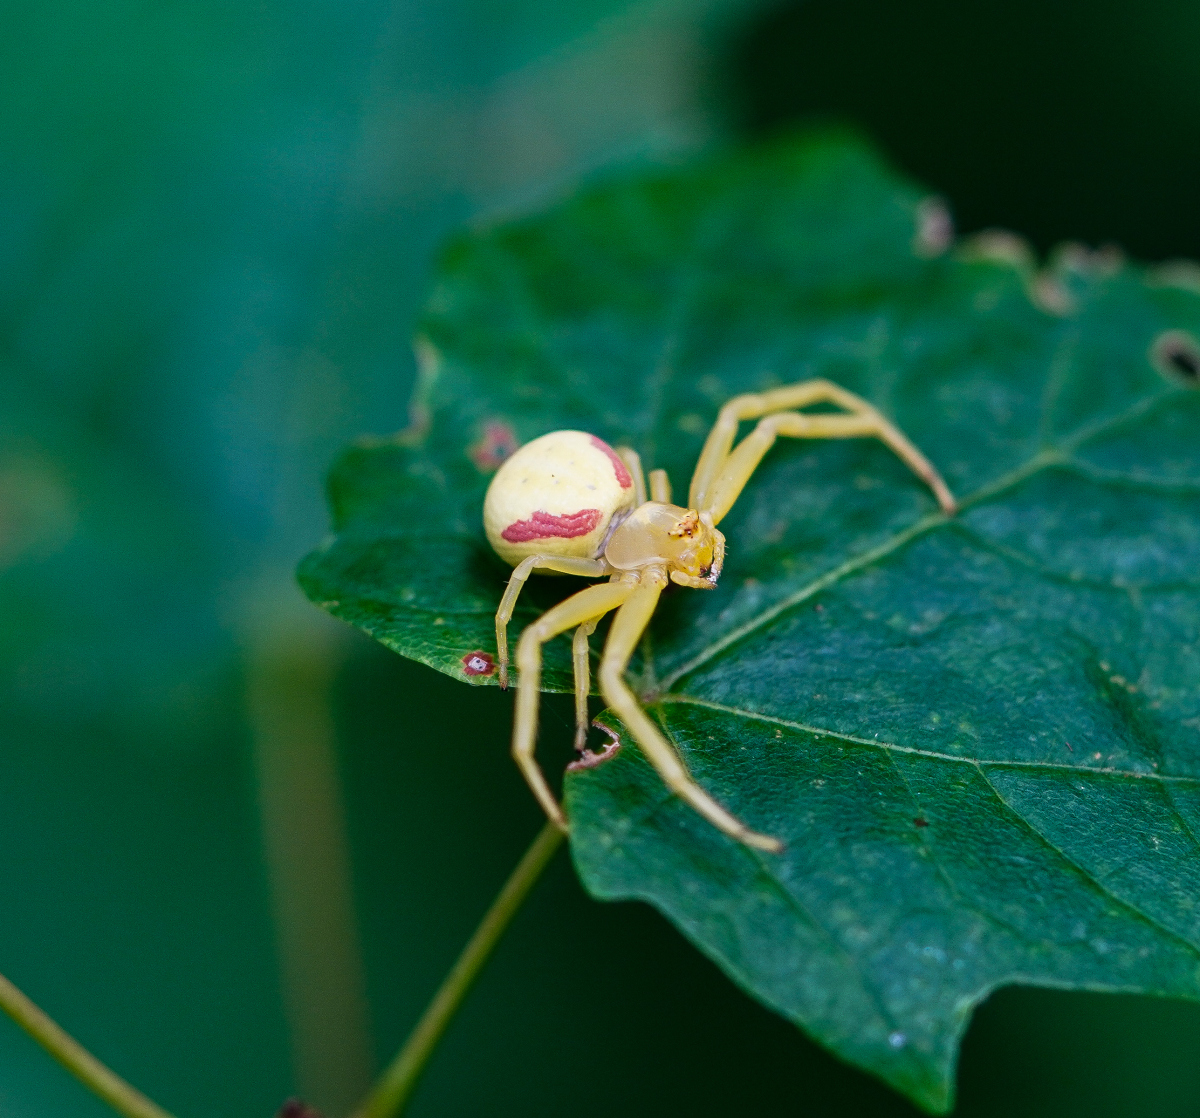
point(685, 526)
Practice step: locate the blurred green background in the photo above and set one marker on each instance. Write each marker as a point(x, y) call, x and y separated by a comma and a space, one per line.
point(239, 845)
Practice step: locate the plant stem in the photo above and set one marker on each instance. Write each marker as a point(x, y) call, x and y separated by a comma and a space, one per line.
point(75, 1058)
point(392, 1092)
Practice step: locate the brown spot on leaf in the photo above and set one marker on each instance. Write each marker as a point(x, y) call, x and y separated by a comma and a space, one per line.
point(478, 663)
point(920, 823)
point(934, 228)
point(1050, 294)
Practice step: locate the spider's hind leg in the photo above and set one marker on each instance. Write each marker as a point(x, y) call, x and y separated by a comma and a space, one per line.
point(588, 605)
point(583, 680)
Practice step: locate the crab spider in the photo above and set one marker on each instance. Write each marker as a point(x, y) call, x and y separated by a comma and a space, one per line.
point(568, 503)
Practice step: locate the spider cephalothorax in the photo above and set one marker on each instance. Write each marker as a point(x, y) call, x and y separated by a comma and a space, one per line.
point(657, 533)
point(569, 503)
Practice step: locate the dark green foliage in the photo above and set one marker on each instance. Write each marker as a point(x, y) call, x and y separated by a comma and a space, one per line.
point(979, 738)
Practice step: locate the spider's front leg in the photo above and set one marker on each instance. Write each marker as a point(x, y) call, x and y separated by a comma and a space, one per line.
point(633, 463)
point(586, 568)
point(722, 471)
point(587, 606)
point(627, 628)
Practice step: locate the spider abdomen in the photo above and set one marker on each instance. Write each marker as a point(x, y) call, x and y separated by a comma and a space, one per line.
point(557, 495)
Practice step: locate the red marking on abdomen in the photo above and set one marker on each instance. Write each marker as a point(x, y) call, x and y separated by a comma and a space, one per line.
point(623, 478)
point(543, 525)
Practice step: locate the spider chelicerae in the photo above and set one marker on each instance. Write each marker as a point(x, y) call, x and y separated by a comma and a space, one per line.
point(569, 503)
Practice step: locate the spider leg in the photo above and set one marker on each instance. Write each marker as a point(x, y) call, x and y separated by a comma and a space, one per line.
point(737, 468)
point(660, 487)
point(716, 457)
point(583, 680)
point(579, 609)
point(627, 628)
point(588, 568)
point(633, 463)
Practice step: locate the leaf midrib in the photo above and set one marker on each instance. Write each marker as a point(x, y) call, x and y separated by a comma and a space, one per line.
point(933, 754)
point(1043, 459)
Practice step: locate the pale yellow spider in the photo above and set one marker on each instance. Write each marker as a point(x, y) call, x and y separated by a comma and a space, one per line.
point(568, 503)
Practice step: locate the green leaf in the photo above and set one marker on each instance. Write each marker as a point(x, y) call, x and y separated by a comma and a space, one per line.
point(979, 737)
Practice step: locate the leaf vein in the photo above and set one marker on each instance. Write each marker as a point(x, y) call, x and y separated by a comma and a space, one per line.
point(815, 586)
point(820, 731)
point(1085, 873)
point(939, 865)
point(1118, 479)
point(1032, 563)
point(1173, 807)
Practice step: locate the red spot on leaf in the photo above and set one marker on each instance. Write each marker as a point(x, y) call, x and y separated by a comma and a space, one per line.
point(920, 823)
point(497, 444)
point(543, 525)
point(478, 663)
point(623, 478)
point(297, 1108)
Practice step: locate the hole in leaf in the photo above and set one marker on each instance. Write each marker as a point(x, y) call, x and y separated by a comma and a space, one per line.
point(1177, 354)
